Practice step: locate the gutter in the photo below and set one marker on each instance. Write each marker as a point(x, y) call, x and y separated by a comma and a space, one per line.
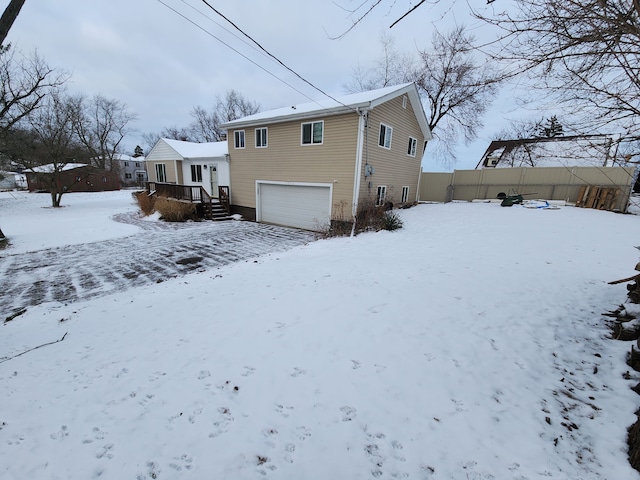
point(362, 124)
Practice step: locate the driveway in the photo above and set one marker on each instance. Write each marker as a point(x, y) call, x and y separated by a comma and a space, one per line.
point(161, 251)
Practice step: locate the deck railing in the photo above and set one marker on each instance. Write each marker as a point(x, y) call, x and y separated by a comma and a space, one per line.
point(190, 193)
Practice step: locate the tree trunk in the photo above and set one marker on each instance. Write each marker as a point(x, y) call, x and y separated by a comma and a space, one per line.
point(8, 17)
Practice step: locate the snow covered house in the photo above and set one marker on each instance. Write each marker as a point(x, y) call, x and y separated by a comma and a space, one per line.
point(306, 165)
point(193, 164)
point(559, 151)
point(131, 170)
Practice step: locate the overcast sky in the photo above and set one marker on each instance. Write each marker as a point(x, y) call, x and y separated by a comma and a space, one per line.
point(147, 55)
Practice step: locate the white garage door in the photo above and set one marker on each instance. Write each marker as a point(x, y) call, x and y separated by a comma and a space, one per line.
point(301, 206)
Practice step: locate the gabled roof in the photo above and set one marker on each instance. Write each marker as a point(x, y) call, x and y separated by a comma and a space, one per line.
point(354, 103)
point(576, 150)
point(197, 150)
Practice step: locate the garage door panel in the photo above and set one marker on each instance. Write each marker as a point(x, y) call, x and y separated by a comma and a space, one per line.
point(301, 206)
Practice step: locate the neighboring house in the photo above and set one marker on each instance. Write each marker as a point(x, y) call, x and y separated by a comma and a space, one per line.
point(560, 151)
point(189, 163)
point(11, 180)
point(131, 170)
point(72, 177)
point(309, 164)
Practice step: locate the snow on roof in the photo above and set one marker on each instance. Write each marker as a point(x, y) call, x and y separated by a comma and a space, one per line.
point(50, 167)
point(341, 104)
point(198, 150)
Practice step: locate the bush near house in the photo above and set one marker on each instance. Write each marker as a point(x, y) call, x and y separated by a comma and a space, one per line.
point(370, 218)
point(172, 210)
point(146, 202)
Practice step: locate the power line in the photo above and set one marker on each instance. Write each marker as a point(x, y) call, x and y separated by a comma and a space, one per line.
point(232, 48)
point(274, 57)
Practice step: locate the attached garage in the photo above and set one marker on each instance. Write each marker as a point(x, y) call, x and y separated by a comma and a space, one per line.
point(300, 205)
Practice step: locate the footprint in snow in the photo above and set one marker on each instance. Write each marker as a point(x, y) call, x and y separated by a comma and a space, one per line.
point(348, 413)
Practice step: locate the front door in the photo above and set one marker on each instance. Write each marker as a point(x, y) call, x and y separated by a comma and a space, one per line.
point(214, 180)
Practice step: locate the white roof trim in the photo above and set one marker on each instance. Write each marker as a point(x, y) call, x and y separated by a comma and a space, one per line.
point(350, 103)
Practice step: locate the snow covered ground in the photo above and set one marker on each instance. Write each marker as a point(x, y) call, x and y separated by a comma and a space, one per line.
point(468, 345)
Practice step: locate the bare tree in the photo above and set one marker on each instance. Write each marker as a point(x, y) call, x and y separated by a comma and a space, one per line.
point(8, 17)
point(584, 57)
point(101, 124)
point(206, 124)
point(48, 143)
point(24, 83)
point(455, 88)
point(392, 68)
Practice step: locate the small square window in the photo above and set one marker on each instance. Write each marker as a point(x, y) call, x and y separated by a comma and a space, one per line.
point(313, 133)
point(238, 136)
point(411, 151)
point(261, 137)
point(385, 136)
point(381, 195)
point(405, 194)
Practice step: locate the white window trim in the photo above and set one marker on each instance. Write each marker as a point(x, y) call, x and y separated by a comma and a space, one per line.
point(163, 167)
point(414, 146)
point(194, 173)
point(266, 137)
point(390, 130)
point(302, 133)
point(405, 194)
point(236, 136)
point(404, 101)
point(381, 201)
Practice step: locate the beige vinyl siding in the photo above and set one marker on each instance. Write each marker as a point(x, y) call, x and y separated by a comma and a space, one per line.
point(286, 160)
point(170, 167)
point(393, 167)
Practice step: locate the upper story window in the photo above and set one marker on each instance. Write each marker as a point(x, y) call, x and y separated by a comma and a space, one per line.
point(312, 133)
point(413, 143)
point(196, 173)
point(126, 164)
point(404, 101)
point(261, 137)
point(385, 136)
point(137, 164)
point(238, 137)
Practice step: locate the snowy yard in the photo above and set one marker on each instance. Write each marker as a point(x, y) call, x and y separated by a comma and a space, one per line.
point(468, 345)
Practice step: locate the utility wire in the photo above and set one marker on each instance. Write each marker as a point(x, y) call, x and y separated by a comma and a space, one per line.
point(235, 50)
point(275, 58)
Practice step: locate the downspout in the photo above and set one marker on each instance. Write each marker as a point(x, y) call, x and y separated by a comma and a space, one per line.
point(362, 124)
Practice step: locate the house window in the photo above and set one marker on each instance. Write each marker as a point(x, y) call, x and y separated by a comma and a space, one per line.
point(238, 136)
point(261, 137)
point(405, 194)
point(128, 176)
point(161, 173)
point(381, 195)
point(137, 164)
point(411, 151)
point(385, 136)
point(312, 133)
point(126, 164)
point(196, 173)
point(404, 101)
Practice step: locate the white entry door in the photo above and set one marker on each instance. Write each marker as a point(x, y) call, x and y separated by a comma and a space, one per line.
point(306, 206)
point(213, 172)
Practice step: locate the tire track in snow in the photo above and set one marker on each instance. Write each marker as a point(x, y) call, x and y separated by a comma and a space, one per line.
point(79, 272)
